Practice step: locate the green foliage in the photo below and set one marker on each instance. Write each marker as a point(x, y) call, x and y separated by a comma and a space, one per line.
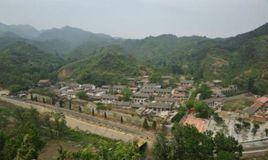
point(160, 148)
point(181, 112)
point(82, 95)
point(155, 77)
point(126, 92)
point(227, 146)
point(113, 151)
point(22, 65)
point(187, 143)
point(202, 110)
point(43, 91)
point(205, 91)
point(101, 106)
point(145, 124)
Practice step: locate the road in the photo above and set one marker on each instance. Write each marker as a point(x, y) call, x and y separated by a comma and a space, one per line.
point(89, 123)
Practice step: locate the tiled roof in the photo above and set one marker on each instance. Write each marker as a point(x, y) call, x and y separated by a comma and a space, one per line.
point(199, 123)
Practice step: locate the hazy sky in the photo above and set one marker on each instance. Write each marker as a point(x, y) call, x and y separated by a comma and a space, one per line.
point(140, 18)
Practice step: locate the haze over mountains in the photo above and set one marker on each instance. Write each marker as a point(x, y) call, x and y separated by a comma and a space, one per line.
point(89, 58)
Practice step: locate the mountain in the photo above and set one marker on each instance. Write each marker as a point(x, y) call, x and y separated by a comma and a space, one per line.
point(106, 65)
point(242, 59)
point(74, 37)
point(57, 40)
point(23, 65)
point(102, 59)
point(24, 31)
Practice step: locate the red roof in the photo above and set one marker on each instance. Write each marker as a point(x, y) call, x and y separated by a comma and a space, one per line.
point(262, 100)
point(259, 102)
point(199, 123)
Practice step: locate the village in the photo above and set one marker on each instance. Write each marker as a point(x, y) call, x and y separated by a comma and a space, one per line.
point(153, 107)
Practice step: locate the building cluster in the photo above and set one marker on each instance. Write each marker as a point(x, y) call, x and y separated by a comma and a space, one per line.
point(147, 98)
point(259, 110)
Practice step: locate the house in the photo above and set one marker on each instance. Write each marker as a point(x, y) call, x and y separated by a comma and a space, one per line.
point(168, 100)
point(121, 104)
point(200, 124)
point(163, 92)
point(140, 98)
point(259, 110)
point(158, 107)
point(44, 83)
point(151, 86)
point(149, 91)
point(217, 83)
point(214, 103)
point(108, 98)
point(187, 83)
point(4, 92)
point(118, 88)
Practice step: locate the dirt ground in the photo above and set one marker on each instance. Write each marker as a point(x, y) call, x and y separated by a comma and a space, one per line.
point(50, 151)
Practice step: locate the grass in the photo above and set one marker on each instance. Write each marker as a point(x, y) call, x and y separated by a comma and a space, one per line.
point(238, 103)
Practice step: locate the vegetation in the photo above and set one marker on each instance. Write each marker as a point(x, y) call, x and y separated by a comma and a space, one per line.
point(187, 143)
point(204, 90)
point(82, 95)
point(25, 133)
point(126, 92)
point(181, 112)
point(240, 60)
point(117, 151)
point(23, 65)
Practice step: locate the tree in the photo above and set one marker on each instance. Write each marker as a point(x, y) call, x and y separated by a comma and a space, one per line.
point(27, 149)
point(160, 148)
point(186, 143)
point(62, 154)
point(205, 91)
point(121, 119)
point(155, 77)
point(266, 132)
point(3, 139)
point(255, 128)
point(227, 147)
point(154, 125)
point(82, 95)
point(145, 124)
point(202, 110)
point(181, 112)
point(126, 92)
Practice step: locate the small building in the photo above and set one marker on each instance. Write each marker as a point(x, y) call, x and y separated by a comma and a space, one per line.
point(187, 83)
point(215, 103)
point(108, 98)
point(163, 92)
point(121, 104)
point(158, 107)
point(259, 110)
point(217, 83)
point(140, 98)
point(168, 100)
point(118, 88)
point(4, 92)
point(44, 83)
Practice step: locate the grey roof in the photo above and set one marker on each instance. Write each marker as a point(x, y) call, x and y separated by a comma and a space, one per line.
point(251, 110)
point(158, 105)
point(141, 95)
point(109, 96)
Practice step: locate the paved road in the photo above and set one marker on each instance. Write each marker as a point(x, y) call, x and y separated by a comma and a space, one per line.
point(95, 125)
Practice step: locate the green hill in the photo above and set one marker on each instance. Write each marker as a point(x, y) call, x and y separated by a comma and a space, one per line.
point(22, 64)
point(106, 65)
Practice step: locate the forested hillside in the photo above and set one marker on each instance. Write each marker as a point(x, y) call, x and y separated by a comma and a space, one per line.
point(22, 65)
point(99, 58)
point(106, 65)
